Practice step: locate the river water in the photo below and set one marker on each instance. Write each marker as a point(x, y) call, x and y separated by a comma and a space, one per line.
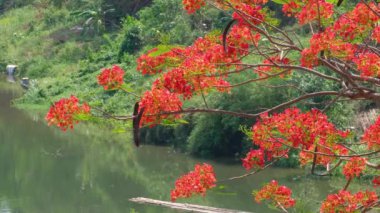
point(45, 170)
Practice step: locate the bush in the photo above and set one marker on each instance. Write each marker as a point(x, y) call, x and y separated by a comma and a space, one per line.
point(54, 16)
point(166, 22)
point(131, 41)
point(37, 67)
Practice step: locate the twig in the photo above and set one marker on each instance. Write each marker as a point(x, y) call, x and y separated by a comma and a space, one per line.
point(254, 172)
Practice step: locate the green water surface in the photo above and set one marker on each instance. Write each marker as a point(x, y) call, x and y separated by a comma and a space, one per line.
point(45, 170)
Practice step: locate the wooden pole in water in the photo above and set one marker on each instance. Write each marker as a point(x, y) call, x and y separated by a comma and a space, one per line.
point(183, 206)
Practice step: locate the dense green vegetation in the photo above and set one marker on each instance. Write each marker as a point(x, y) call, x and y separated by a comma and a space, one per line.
point(63, 45)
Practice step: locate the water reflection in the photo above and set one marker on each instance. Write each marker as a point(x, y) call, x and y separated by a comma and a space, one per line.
point(11, 79)
point(45, 170)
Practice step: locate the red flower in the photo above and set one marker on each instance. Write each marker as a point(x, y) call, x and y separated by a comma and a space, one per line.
point(154, 62)
point(191, 6)
point(291, 8)
point(309, 58)
point(240, 38)
point(292, 128)
point(280, 196)
point(254, 158)
point(368, 64)
point(354, 167)
point(358, 22)
point(314, 10)
point(331, 44)
point(111, 78)
point(343, 201)
point(367, 198)
point(346, 202)
point(195, 182)
point(248, 14)
point(193, 70)
point(376, 181)
point(158, 101)
point(371, 136)
point(376, 34)
point(308, 11)
point(271, 70)
point(63, 112)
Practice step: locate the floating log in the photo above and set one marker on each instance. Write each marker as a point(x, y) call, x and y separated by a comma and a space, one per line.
point(183, 206)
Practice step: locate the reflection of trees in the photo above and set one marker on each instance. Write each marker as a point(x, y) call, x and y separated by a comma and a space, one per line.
point(9, 89)
point(37, 168)
point(42, 170)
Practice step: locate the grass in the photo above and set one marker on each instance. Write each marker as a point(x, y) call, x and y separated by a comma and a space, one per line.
point(44, 46)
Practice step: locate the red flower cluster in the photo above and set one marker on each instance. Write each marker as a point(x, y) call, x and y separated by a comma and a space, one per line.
point(254, 158)
point(291, 8)
point(271, 70)
point(63, 112)
point(376, 181)
point(357, 23)
point(237, 2)
point(111, 78)
point(156, 103)
point(308, 11)
point(240, 38)
point(195, 182)
point(276, 133)
point(175, 81)
point(315, 10)
point(195, 69)
point(278, 195)
point(248, 14)
point(354, 167)
point(191, 6)
point(190, 70)
point(346, 202)
point(309, 58)
point(338, 40)
point(154, 62)
point(366, 199)
point(376, 34)
point(368, 64)
point(223, 4)
point(371, 136)
point(332, 46)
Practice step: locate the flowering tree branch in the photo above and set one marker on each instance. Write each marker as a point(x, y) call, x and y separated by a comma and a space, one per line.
point(342, 49)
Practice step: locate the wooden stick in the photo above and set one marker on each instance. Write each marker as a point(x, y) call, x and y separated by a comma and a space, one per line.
point(183, 206)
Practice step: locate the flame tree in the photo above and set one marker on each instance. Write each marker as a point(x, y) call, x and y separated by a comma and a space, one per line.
point(343, 50)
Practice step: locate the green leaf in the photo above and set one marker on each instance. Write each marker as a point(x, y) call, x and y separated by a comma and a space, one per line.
point(246, 130)
point(221, 187)
point(332, 1)
point(162, 49)
point(83, 117)
point(119, 130)
point(182, 121)
point(167, 122)
point(127, 88)
point(280, 1)
point(173, 123)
